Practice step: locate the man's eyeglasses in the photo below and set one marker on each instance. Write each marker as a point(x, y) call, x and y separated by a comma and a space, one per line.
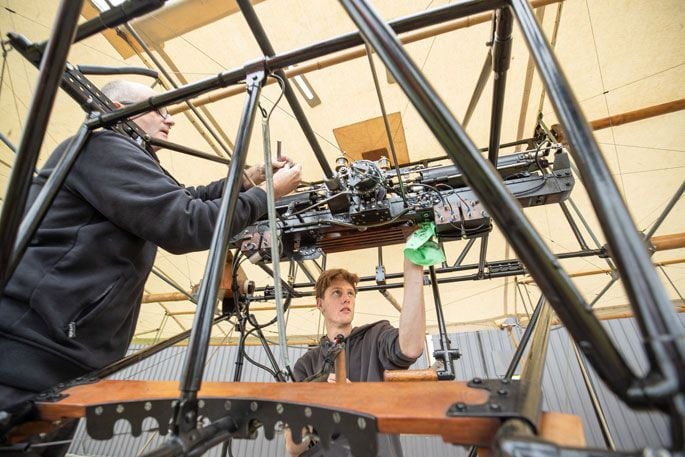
point(163, 111)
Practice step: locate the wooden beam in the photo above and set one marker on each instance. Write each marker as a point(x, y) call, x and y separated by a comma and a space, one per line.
point(626, 118)
point(638, 115)
point(605, 270)
point(666, 242)
point(407, 407)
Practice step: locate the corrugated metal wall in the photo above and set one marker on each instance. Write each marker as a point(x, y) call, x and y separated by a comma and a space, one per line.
point(486, 354)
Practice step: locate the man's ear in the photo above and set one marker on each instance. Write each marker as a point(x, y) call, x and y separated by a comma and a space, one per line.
point(319, 304)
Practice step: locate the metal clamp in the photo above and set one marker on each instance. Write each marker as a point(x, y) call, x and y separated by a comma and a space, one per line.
point(505, 401)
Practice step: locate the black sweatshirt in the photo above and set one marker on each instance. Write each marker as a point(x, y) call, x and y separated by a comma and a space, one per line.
point(72, 304)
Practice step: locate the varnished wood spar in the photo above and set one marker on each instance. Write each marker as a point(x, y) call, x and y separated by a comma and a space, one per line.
point(407, 407)
point(666, 242)
point(341, 368)
point(410, 375)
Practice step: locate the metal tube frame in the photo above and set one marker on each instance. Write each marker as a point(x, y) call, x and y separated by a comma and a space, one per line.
point(136, 36)
point(191, 379)
point(265, 45)
point(45, 91)
point(664, 384)
point(652, 307)
point(45, 197)
point(446, 353)
point(501, 55)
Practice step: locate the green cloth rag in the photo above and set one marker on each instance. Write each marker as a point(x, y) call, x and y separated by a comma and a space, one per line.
point(421, 247)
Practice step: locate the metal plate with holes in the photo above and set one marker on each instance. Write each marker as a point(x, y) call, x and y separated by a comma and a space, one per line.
point(504, 402)
point(360, 430)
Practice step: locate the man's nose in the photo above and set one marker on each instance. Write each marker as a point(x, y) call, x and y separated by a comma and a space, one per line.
point(169, 120)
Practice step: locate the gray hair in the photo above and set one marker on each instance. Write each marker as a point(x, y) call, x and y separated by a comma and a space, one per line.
point(126, 91)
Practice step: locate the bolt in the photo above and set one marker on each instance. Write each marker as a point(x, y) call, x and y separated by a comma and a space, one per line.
point(308, 412)
point(503, 392)
point(461, 406)
point(477, 381)
point(227, 405)
point(361, 423)
point(279, 408)
point(254, 406)
point(336, 417)
point(495, 406)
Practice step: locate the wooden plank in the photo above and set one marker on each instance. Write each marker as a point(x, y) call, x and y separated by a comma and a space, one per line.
point(360, 139)
point(562, 429)
point(407, 407)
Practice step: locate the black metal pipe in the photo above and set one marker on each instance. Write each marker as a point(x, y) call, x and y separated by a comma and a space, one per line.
point(136, 36)
point(199, 441)
point(194, 365)
point(483, 253)
point(672, 202)
point(483, 179)
point(278, 373)
point(478, 91)
point(49, 77)
point(115, 16)
point(446, 353)
point(493, 264)
point(531, 375)
point(8, 143)
point(523, 343)
point(100, 70)
point(574, 227)
point(501, 55)
point(280, 61)
point(464, 252)
point(435, 16)
point(386, 124)
point(662, 332)
point(268, 50)
point(185, 150)
point(45, 197)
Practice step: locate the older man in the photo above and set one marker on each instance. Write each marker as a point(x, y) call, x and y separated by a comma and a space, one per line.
point(72, 304)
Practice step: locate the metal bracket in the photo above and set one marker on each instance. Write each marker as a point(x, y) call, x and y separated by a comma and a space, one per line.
point(248, 415)
point(505, 401)
point(255, 72)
